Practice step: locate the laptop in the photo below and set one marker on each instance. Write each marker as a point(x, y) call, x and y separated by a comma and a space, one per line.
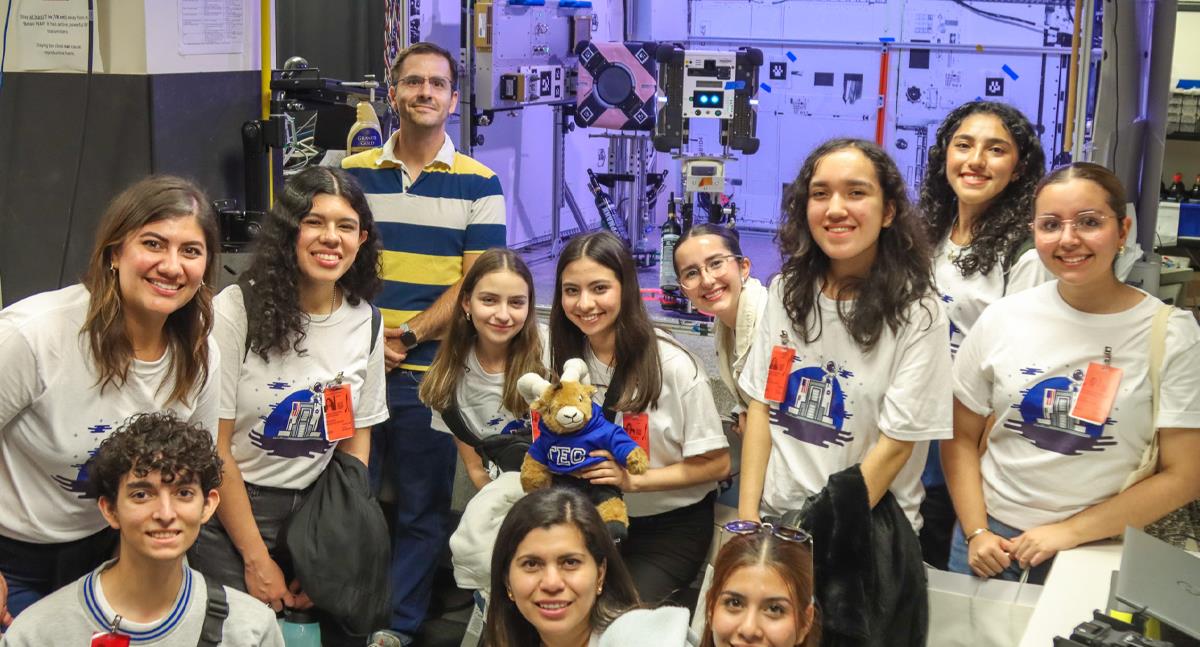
point(1160, 579)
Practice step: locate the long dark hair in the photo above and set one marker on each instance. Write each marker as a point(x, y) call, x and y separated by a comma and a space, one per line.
point(524, 349)
point(900, 274)
point(506, 627)
point(1001, 229)
point(792, 561)
point(637, 367)
point(150, 200)
point(274, 274)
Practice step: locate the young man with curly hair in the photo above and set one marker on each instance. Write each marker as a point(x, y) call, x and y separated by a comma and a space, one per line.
point(155, 480)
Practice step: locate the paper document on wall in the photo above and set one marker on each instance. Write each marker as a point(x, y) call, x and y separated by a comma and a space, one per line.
point(211, 27)
point(50, 36)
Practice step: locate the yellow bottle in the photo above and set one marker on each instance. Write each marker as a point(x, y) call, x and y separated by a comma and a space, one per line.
point(365, 134)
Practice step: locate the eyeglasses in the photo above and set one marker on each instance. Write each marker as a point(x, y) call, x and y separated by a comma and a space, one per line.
point(415, 82)
point(1087, 223)
point(786, 533)
point(690, 277)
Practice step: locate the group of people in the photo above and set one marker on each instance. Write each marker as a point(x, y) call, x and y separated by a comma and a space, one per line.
point(986, 321)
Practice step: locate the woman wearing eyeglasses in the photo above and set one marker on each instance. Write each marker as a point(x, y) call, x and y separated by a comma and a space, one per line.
point(1066, 369)
point(715, 276)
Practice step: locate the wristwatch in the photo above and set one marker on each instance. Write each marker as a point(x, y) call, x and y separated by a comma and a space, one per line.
point(407, 336)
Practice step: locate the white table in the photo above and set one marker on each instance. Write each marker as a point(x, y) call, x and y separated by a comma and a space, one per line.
point(1078, 583)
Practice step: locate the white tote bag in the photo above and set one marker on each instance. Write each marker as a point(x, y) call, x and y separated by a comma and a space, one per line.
point(968, 611)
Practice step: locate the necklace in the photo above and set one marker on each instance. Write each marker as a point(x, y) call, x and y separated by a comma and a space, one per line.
point(333, 304)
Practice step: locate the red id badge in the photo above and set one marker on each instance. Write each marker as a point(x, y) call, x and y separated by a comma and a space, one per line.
point(778, 372)
point(339, 413)
point(1097, 394)
point(107, 639)
point(637, 425)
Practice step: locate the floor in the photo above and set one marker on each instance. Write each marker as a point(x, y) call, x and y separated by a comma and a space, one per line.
point(451, 606)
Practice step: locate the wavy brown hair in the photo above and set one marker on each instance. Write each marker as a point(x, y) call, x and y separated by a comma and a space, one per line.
point(524, 349)
point(155, 198)
point(637, 368)
point(505, 626)
point(900, 274)
point(274, 274)
point(792, 561)
point(999, 232)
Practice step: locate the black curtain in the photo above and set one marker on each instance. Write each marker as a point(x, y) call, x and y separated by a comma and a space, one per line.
point(344, 39)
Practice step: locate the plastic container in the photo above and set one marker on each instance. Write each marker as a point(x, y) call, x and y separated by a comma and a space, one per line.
point(365, 134)
point(300, 629)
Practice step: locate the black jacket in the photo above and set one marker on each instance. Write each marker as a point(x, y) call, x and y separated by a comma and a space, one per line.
point(340, 548)
point(870, 578)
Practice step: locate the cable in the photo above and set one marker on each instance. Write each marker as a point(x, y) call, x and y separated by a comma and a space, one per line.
point(4, 41)
point(87, 89)
point(999, 17)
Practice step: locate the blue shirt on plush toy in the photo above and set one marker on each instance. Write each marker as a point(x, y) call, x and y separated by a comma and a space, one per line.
point(567, 453)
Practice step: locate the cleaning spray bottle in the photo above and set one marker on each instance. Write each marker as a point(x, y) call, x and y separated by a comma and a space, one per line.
point(365, 134)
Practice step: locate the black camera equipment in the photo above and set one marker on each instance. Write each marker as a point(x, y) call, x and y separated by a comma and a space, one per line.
point(1105, 631)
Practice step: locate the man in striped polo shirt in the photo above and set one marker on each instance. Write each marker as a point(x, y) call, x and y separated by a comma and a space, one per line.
point(437, 210)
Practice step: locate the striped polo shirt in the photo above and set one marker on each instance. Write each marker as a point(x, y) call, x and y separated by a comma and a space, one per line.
point(454, 207)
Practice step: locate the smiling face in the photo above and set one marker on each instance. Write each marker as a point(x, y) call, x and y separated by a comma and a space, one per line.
point(157, 520)
point(1079, 259)
point(980, 160)
point(429, 103)
point(755, 607)
point(498, 307)
point(554, 581)
point(160, 267)
point(846, 211)
point(715, 294)
point(327, 240)
point(591, 298)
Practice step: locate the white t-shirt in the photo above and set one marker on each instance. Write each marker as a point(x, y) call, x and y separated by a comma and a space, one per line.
point(279, 431)
point(76, 612)
point(965, 298)
point(53, 415)
point(1025, 361)
point(839, 399)
point(684, 424)
point(480, 397)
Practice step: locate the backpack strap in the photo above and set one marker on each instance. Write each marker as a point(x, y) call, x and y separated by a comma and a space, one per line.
point(376, 323)
point(453, 418)
point(215, 613)
point(1010, 260)
point(611, 396)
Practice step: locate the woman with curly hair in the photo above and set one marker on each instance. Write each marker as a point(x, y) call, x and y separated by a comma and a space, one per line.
point(849, 363)
point(977, 200)
point(133, 336)
point(299, 340)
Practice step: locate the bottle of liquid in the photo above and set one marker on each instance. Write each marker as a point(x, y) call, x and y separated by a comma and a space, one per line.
point(365, 134)
point(1176, 192)
point(609, 217)
point(685, 211)
point(1194, 194)
point(670, 235)
point(299, 629)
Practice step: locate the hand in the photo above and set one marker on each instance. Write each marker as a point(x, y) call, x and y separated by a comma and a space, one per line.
point(607, 472)
point(988, 554)
point(1033, 547)
point(300, 599)
point(394, 351)
point(5, 617)
point(739, 424)
point(264, 580)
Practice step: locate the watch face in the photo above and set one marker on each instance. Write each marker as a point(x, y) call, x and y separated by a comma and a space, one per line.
point(408, 338)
